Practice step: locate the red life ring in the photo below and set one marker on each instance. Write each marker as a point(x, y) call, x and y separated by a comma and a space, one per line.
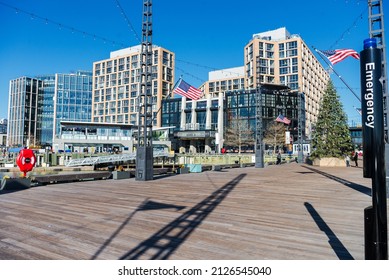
point(26, 160)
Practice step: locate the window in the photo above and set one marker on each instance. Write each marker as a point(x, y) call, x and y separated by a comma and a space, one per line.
point(284, 62)
point(232, 102)
point(291, 53)
point(293, 78)
point(284, 70)
point(188, 117)
point(263, 70)
point(243, 112)
point(243, 100)
point(291, 45)
point(201, 104)
point(263, 62)
point(250, 52)
point(269, 47)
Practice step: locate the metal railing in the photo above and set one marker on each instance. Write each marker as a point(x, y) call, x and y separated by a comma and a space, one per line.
point(109, 159)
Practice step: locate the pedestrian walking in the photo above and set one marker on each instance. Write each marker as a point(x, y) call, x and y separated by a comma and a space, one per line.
point(355, 158)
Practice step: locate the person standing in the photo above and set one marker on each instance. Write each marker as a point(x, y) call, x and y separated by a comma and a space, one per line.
point(347, 160)
point(278, 158)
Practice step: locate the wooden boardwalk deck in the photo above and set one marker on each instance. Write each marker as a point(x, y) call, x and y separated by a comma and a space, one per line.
point(280, 212)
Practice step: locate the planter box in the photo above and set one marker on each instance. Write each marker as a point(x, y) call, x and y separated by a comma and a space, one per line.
point(117, 175)
point(183, 170)
point(330, 162)
point(216, 167)
point(194, 168)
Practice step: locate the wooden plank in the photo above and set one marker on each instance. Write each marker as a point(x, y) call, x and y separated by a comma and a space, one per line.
point(278, 212)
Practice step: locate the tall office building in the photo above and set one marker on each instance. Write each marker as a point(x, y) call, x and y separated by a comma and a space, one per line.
point(3, 132)
point(116, 85)
point(277, 57)
point(46, 113)
point(23, 111)
point(3, 126)
point(45, 101)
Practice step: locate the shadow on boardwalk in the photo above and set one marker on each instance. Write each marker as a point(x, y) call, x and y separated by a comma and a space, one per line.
point(163, 243)
point(333, 240)
point(144, 206)
point(357, 187)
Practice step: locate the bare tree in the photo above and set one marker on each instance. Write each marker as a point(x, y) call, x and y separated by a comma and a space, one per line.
point(238, 133)
point(275, 135)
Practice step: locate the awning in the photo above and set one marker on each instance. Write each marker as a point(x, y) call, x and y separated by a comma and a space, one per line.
point(14, 150)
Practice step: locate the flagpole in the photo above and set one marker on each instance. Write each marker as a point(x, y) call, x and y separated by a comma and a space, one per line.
point(344, 82)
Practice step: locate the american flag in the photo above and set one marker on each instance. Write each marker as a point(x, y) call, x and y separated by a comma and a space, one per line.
point(187, 90)
point(335, 56)
point(283, 119)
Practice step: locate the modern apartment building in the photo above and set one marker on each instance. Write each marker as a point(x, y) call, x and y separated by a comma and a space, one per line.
point(224, 80)
point(23, 111)
point(277, 57)
point(116, 85)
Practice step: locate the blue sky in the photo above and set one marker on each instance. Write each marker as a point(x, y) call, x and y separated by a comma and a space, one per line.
point(205, 35)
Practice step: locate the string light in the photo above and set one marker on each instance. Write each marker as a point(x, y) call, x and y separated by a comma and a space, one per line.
point(188, 74)
point(62, 26)
point(348, 30)
point(127, 20)
point(121, 44)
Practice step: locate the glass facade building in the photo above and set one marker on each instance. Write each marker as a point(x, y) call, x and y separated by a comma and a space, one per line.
point(64, 97)
point(72, 99)
point(198, 126)
point(241, 105)
point(23, 111)
point(356, 136)
point(3, 132)
point(47, 109)
point(3, 126)
point(38, 105)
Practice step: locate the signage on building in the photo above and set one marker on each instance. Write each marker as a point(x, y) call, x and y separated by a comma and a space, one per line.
point(195, 134)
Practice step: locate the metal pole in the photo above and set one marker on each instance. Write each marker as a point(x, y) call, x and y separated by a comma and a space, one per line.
point(301, 117)
point(377, 30)
point(144, 151)
point(374, 148)
point(259, 154)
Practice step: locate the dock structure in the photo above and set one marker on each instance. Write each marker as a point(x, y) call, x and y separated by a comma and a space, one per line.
point(70, 177)
point(289, 211)
point(108, 159)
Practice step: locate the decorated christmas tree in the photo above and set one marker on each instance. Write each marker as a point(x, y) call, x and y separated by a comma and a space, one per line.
point(331, 137)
